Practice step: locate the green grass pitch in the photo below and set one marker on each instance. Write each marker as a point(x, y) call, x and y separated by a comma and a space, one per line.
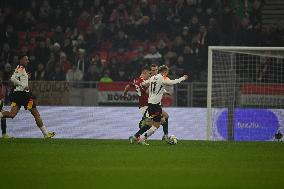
point(38, 163)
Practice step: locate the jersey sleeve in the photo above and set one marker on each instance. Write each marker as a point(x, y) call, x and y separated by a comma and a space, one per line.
point(167, 81)
point(146, 83)
point(14, 79)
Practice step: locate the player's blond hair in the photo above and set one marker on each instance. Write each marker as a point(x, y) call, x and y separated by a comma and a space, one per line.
point(163, 68)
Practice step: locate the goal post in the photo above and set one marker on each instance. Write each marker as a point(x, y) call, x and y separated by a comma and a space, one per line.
point(245, 92)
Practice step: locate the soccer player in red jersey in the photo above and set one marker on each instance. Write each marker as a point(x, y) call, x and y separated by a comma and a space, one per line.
point(141, 90)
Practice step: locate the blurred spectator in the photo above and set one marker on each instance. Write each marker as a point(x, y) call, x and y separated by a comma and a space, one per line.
point(98, 27)
point(91, 41)
point(119, 16)
point(42, 52)
point(121, 42)
point(162, 47)
point(8, 35)
point(58, 35)
point(58, 75)
point(194, 24)
point(15, 61)
point(68, 49)
point(106, 77)
point(83, 21)
point(153, 55)
point(180, 66)
point(92, 73)
point(120, 75)
point(33, 63)
point(64, 62)
point(74, 74)
point(6, 53)
point(81, 61)
point(56, 51)
point(135, 32)
point(39, 74)
point(178, 44)
point(186, 35)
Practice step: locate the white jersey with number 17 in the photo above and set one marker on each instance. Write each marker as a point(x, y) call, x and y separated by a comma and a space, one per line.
point(157, 85)
point(20, 79)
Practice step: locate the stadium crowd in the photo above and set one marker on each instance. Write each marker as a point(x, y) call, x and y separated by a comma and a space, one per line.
point(110, 40)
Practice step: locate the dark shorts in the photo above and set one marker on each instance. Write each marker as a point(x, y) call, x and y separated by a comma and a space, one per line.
point(22, 98)
point(154, 112)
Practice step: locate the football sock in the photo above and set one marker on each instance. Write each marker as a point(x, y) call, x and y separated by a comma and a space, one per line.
point(43, 130)
point(3, 126)
point(142, 130)
point(150, 131)
point(166, 126)
point(141, 123)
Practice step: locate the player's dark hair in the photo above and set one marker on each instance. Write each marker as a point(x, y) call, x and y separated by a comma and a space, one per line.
point(146, 68)
point(154, 65)
point(163, 68)
point(22, 56)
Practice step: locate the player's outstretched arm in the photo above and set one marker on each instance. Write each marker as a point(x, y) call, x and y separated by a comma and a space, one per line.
point(146, 83)
point(126, 89)
point(167, 81)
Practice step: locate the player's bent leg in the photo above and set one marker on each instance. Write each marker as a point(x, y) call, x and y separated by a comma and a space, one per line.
point(135, 138)
point(11, 114)
point(37, 117)
point(40, 124)
point(165, 125)
point(149, 132)
point(165, 114)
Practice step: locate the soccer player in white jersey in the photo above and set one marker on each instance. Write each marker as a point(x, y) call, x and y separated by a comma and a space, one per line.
point(165, 124)
point(157, 85)
point(142, 92)
point(23, 97)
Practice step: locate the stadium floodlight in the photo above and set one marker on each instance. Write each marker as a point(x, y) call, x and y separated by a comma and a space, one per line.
point(243, 78)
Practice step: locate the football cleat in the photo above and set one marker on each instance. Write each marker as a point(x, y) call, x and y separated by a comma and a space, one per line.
point(49, 135)
point(132, 139)
point(143, 143)
point(6, 136)
point(165, 137)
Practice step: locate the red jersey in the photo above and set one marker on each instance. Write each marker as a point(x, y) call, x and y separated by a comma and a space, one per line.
point(141, 91)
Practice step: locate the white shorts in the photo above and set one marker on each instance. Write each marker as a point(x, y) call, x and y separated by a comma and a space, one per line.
point(143, 110)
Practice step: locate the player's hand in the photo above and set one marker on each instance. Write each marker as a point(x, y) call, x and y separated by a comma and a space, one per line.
point(27, 88)
point(29, 75)
point(185, 77)
point(125, 94)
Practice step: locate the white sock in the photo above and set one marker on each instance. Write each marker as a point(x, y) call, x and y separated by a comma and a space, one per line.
point(150, 131)
point(1, 115)
point(43, 130)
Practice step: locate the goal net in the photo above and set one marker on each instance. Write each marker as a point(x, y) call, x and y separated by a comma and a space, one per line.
point(245, 93)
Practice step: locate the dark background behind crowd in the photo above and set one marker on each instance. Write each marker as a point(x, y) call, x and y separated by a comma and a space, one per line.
point(110, 40)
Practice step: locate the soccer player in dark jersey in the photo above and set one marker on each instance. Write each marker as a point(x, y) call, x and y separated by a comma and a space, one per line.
point(21, 96)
